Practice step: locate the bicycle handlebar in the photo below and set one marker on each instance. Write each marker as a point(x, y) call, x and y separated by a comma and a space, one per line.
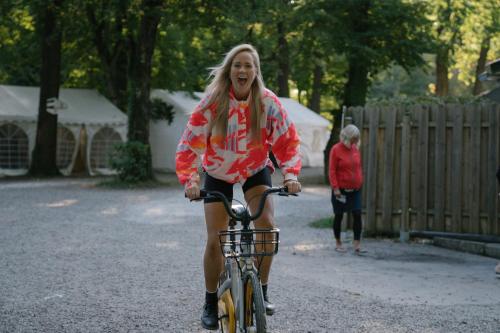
point(283, 191)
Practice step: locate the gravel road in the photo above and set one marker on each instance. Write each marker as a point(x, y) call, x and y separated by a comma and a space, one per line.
point(79, 258)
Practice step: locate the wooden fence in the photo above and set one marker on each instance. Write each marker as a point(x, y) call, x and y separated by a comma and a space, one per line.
point(429, 167)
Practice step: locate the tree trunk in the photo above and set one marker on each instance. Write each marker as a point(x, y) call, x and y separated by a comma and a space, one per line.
point(357, 83)
point(112, 53)
point(356, 87)
point(44, 162)
point(481, 63)
point(141, 53)
point(283, 62)
point(315, 101)
point(333, 139)
point(442, 82)
point(354, 95)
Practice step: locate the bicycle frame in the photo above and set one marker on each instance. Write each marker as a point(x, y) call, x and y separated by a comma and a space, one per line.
point(241, 270)
point(240, 276)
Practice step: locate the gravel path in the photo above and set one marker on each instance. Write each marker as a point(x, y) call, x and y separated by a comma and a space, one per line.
point(77, 258)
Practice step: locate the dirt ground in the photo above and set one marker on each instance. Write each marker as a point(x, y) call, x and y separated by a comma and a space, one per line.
point(81, 258)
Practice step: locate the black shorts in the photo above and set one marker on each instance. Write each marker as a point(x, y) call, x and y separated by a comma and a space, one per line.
point(262, 177)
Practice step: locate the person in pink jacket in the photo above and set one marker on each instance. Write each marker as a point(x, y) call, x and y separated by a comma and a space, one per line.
point(346, 179)
point(230, 133)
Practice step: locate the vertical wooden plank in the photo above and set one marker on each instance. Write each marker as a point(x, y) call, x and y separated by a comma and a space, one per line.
point(456, 168)
point(371, 182)
point(439, 179)
point(475, 132)
point(492, 200)
point(422, 168)
point(405, 178)
point(387, 189)
point(362, 125)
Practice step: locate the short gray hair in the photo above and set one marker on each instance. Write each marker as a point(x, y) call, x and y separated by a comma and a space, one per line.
point(348, 133)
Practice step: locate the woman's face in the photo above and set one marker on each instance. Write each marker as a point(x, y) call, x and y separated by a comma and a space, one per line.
point(243, 73)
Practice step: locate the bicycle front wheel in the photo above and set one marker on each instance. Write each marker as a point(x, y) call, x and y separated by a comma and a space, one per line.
point(255, 312)
point(226, 313)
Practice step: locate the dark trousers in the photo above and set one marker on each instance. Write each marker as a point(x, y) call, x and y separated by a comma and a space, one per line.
point(352, 204)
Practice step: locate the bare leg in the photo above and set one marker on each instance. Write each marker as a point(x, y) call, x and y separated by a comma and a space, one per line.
point(213, 262)
point(357, 230)
point(265, 221)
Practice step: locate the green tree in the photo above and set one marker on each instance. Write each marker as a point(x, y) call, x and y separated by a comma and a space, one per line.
point(19, 44)
point(372, 35)
point(49, 23)
point(448, 17)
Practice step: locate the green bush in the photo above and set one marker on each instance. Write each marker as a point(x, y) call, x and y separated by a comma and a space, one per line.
point(161, 111)
point(131, 160)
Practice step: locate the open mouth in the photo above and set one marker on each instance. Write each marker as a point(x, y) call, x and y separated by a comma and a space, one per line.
point(242, 80)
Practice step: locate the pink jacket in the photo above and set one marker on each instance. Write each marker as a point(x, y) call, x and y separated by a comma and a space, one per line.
point(236, 157)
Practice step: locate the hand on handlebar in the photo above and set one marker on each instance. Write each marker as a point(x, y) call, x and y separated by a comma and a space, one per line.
point(192, 190)
point(293, 186)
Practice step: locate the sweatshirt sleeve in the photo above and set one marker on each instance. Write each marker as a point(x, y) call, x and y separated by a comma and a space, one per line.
point(192, 144)
point(285, 141)
point(332, 169)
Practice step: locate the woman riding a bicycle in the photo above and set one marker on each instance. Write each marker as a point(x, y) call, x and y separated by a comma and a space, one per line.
point(232, 131)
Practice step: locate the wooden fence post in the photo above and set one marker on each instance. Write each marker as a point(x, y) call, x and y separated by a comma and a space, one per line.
point(493, 161)
point(404, 233)
point(371, 182)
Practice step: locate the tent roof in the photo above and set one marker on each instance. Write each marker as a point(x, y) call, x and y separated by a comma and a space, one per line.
point(186, 103)
point(180, 100)
point(301, 114)
point(84, 106)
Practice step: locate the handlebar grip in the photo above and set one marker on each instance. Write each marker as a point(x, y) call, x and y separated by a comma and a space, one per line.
point(203, 195)
point(284, 192)
point(288, 194)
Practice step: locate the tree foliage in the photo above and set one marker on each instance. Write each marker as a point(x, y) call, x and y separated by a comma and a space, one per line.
point(324, 53)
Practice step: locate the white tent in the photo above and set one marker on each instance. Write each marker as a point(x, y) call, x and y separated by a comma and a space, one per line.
point(313, 129)
point(164, 137)
point(84, 111)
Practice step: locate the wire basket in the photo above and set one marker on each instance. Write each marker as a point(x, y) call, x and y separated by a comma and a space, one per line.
point(249, 243)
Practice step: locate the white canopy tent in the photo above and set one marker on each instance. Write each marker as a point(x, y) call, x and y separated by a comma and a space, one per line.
point(84, 110)
point(313, 129)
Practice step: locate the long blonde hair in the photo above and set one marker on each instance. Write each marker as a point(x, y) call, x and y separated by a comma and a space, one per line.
point(218, 90)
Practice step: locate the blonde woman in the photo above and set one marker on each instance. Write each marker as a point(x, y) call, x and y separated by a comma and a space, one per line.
point(232, 131)
point(346, 179)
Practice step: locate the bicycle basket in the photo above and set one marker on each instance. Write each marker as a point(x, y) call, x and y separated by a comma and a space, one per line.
point(249, 243)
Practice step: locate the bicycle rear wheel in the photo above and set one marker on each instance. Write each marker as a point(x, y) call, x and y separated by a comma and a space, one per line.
point(226, 313)
point(255, 312)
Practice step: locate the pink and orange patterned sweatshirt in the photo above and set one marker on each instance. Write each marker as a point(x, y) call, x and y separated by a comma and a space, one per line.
point(237, 156)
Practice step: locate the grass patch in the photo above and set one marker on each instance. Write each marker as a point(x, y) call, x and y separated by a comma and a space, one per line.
point(323, 223)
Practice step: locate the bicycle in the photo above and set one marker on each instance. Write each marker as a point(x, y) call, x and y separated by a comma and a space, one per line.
point(241, 302)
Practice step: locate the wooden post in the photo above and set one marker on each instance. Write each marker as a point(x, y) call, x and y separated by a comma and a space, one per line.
point(475, 179)
point(440, 169)
point(371, 182)
point(456, 169)
point(404, 232)
point(493, 160)
point(390, 116)
point(422, 166)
